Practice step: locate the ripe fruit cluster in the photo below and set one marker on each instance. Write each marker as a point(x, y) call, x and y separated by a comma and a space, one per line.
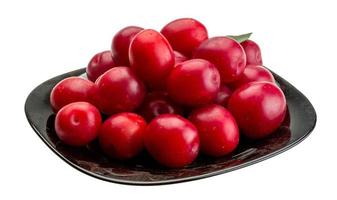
point(174, 93)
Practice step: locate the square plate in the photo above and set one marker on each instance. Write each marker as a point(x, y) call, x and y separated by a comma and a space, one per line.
point(299, 122)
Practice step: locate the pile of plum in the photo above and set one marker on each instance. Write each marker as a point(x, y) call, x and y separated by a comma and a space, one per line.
point(174, 93)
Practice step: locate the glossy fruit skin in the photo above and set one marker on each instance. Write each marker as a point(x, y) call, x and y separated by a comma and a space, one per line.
point(151, 57)
point(185, 35)
point(253, 52)
point(223, 95)
point(194, 82)
point(119, 90)
point(78, 123)
point(157, 103)
point(172, 140)
point(253, 73)
point(100, 63)
point(226, 54)
point(179, 58)
point(217, 128)
point(259, 108)
point(121, 135)
point(71, 90)
point(121, 43)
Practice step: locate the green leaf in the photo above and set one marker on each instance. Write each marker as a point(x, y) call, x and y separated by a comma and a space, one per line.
point(240, 38)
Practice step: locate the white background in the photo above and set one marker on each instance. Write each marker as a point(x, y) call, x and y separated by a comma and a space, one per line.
point(42, 39)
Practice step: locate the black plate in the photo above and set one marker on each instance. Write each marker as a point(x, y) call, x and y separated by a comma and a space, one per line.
point(300, 121)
